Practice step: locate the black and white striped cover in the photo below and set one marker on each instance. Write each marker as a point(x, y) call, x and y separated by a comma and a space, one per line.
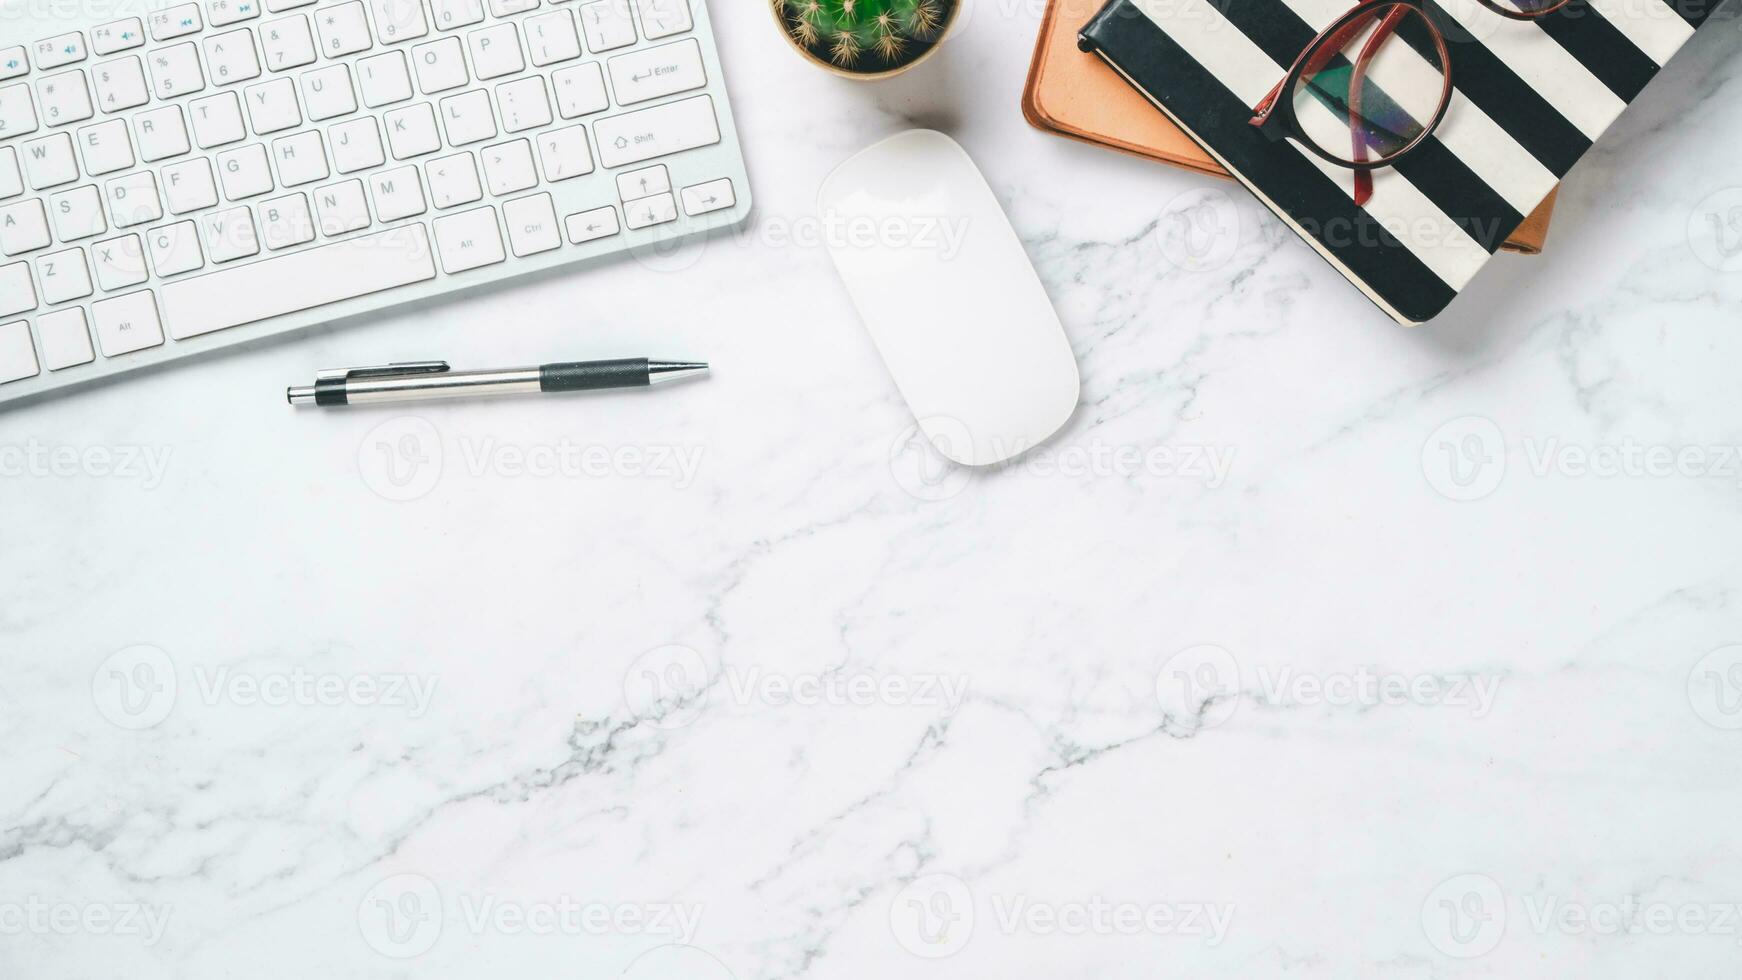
point(1529, 99)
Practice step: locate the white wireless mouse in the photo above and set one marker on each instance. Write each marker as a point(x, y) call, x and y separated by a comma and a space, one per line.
point(949, 296)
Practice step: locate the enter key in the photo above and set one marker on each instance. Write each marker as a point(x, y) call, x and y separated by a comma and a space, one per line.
point(655, 72)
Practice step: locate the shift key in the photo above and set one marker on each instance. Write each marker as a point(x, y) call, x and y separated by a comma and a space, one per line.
point(648, 133)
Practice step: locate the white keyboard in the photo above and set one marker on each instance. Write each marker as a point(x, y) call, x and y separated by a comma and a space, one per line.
point(197, 175)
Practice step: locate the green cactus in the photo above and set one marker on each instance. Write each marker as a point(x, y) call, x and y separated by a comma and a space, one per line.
point(864, 35)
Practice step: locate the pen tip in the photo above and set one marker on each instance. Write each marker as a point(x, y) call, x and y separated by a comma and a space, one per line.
point(659, 372)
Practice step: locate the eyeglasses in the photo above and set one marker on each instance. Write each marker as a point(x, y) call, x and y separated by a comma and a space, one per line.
point(1373, 86)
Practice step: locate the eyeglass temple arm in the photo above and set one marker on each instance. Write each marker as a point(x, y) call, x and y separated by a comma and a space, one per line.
point(1386, 28)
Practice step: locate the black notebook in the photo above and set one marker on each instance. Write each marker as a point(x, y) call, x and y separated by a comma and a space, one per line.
point(1529, 99)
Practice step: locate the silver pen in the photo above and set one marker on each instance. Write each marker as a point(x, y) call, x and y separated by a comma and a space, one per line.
point(414, 380)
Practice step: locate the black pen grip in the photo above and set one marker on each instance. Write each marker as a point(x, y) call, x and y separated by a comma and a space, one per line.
point(628, 372)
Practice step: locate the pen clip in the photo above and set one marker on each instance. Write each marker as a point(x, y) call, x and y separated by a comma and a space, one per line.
point(396, 369)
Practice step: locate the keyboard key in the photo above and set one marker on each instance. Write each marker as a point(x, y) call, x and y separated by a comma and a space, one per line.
point(451, 14)
point(356, 145)
point(11, 178)
point(280, 6)
point(245, 172)
point(106, 148)
point(121, 35)
point(398, 194)
point(523, 103)
point(344, 29)
point(222, 13)
point(175, 249)
point(299, 281)
point(288, 43)
point(272, 106)
point(588, 226)
point(649, 211)
point(507, 8)
point(62, 49)
point(127, 323)
point(495, 51)
point(301, 159)
point(49, 162)
point(64, 276)
point(385, 79)
point(327, 93)
point(121, 84)
point(580, 90)
point(163, 133)
point(715, 195)
point(119, 262)
point(77, 214)
point(133, 200)
point(648, 133)
point(608, 25)
point(654, 73)
point(13, 62)
point(645, 182)
point(397, 21)
point(17, 353)
point(286, 221)
point(467, 119)
point(66, 339)
point(441, 65)
point(230, 57)
point(178, 21)
point(23, 228)
point(551, 38)
point(175, 71)
point(17, 293)
point(532, 226)
point(17, 112)
point(664, 18)
point(342, 208)
point(564, 153)
point(411, 131)
point(230, 235)
point(65, 98)
point(453, 181)
point(217, 120)
point(508, 168)
point(189, 187)
point(469, 240)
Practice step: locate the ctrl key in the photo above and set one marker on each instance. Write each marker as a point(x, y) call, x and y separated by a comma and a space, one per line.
point(127, 323)
point(17, 353)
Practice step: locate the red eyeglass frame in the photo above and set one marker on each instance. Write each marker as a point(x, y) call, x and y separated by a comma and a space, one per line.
point(1275, 117)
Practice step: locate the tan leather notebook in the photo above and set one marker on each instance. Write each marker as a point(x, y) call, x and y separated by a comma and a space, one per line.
point(1076, 95)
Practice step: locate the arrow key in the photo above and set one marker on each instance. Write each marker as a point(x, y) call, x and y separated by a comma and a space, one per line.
point(715, 195)
point(593, 225)
point(643, 183)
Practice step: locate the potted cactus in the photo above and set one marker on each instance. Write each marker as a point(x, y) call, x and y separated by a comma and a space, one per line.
point(865, 38)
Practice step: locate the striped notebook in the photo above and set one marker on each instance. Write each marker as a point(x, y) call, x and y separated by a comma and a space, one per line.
point(1530, 97)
